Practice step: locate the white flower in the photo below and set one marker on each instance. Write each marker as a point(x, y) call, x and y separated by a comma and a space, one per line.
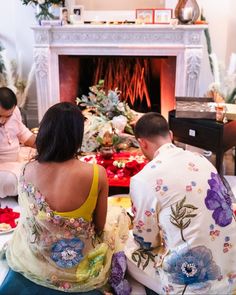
point(121, 107)
point(119, 123)
point(107, 103)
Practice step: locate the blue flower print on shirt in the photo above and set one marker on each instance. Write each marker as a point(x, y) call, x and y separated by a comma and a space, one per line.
point(67, 253)
point(142, 243)
point(219, 201)
point(191, 266)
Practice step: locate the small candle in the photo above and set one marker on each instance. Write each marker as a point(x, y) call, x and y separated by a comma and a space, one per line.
point(187, 13)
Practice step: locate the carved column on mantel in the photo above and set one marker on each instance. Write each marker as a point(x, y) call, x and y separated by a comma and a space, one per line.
point(183, 41)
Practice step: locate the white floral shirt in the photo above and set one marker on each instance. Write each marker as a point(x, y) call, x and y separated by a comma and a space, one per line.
point(184, 226)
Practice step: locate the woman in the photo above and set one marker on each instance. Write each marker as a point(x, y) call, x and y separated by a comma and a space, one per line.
point(58, 243)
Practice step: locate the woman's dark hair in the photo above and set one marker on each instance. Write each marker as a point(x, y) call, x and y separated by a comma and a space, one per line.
point(60, 133)
point(7, 98)
point(151, 125)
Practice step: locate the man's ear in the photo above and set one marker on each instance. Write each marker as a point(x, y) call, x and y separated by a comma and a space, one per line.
point(143, 143)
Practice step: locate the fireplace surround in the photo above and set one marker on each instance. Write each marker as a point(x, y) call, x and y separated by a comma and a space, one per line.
point(185, 42)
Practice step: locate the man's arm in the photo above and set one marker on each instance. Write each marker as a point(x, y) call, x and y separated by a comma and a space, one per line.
point(24, 135)
point(145, 208)
point(31, 141)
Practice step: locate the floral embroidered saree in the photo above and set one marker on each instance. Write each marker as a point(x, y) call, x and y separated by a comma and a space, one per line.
point(61, 252)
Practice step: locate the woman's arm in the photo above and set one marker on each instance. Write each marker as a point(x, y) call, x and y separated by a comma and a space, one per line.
point(101, 207)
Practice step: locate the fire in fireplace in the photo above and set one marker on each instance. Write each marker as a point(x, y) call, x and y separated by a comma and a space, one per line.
point(146, 83)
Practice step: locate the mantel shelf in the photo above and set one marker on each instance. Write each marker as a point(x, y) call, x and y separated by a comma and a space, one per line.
point(185, 42)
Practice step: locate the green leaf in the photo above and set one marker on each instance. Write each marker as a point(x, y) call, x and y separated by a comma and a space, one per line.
point(190, 206)
point(173, 210)
point(146, 263)
point(176, 224)
point(100, 140)
point(143, 254)
point(182, 202)
point(129, 129)
point(134, 257)
point(174, 219)
point(190, 215)
point(181, 214)
point(186, 224)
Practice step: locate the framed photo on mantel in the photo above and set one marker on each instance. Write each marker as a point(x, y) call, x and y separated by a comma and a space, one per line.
point(144, 16)
point(162, 16)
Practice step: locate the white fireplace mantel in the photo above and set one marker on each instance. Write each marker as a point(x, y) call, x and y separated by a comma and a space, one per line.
point(183, 41)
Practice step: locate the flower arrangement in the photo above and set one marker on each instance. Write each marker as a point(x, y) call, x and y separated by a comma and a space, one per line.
point(44, 7)
point(11, 77)
point(223, 89)
point(224, 85)
point(105, 112)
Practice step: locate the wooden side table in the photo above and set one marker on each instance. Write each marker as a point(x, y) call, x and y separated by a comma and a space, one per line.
point(206, 134)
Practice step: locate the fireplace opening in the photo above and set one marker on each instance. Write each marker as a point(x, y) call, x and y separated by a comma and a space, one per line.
point(146, 83)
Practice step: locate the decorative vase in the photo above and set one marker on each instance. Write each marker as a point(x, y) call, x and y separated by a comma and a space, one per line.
point(187, 11)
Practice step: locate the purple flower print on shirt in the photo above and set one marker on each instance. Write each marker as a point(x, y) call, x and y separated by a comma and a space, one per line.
point(218, 200)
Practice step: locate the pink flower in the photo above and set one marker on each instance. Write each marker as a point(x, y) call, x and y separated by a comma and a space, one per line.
point(188, 188)
point(140, 223)
point(148, 213)
point(160, 181)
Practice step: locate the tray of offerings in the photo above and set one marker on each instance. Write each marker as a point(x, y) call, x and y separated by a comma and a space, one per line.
point(8, 220)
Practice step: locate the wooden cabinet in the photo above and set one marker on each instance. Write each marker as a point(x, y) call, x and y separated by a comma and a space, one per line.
point(206, 134)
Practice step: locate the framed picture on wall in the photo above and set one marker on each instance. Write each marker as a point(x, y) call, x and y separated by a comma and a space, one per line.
point(144, 16)
point(162, 16)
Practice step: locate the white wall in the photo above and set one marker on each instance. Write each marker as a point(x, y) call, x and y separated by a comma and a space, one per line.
point(16, 35)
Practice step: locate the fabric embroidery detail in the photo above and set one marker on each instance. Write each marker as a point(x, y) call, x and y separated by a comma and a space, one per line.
point(219, 201)
point(61, 285)
point(74, 226)
point(146, 225)
point(231, 277)
point(160, 187)
point(66, 253)
point(117, 281)
point(192, 167)
point(181, 215)
point(214, 233)
point(191, 266)
point(92, 263)
point(142, 243)
point(227, 245)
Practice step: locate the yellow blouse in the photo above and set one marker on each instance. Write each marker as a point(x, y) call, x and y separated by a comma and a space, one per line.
point(87, 208)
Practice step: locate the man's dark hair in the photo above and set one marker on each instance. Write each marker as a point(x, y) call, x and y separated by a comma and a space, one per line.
point(60, 133)
point(7, 98)
point(151, 125)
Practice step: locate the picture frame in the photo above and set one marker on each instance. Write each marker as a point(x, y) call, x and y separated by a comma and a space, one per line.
point(144, 16)
point(77, 14)
point(64, 15)
point(162, 16)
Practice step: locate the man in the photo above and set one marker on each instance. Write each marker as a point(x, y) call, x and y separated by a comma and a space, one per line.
point(184, 229)
point(12, 133)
